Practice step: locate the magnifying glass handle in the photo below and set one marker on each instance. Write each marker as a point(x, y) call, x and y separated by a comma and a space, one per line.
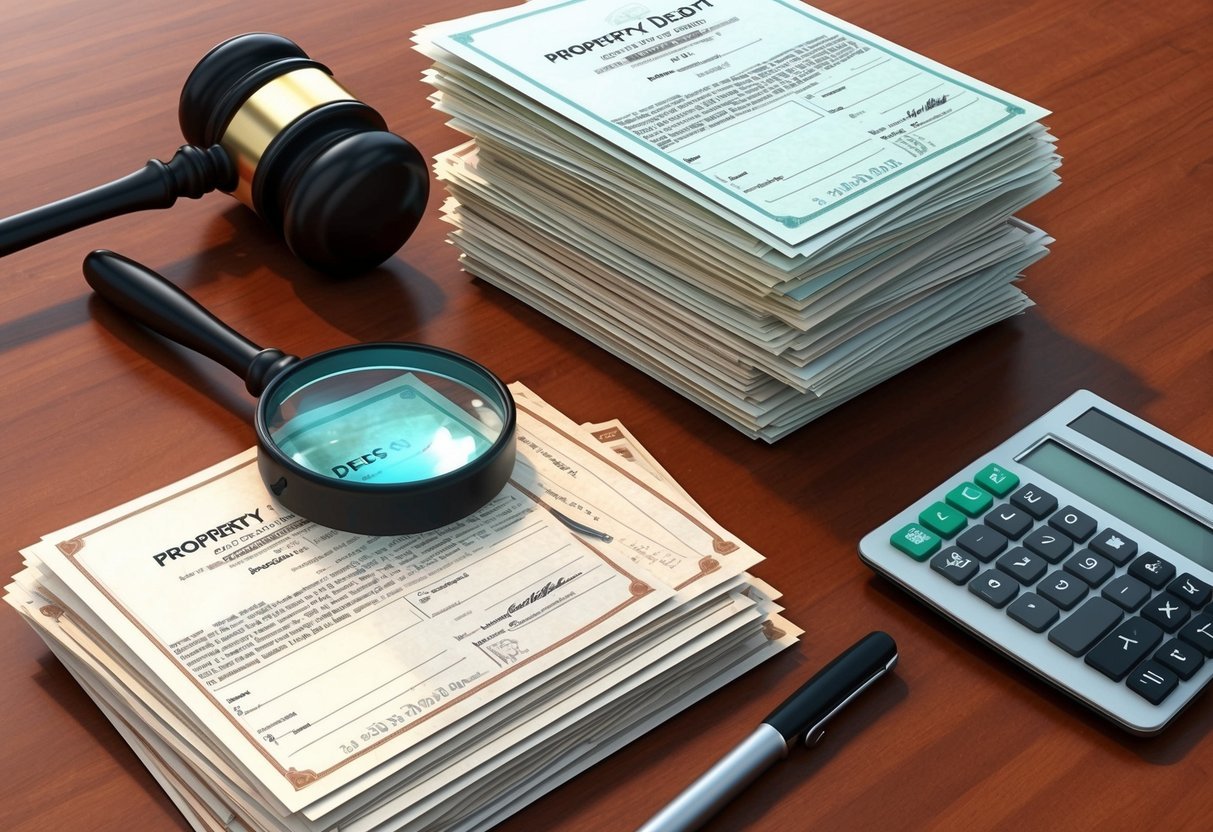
point(166, 310)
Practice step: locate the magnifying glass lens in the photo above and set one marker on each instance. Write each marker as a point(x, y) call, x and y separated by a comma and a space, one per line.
point(386, 416)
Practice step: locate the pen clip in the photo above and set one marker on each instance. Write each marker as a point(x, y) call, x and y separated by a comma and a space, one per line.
point(816, 731)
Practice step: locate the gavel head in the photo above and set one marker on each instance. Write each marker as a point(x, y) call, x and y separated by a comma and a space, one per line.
point(313, 161)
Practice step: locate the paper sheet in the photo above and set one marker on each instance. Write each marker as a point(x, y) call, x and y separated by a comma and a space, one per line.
point(780, 115)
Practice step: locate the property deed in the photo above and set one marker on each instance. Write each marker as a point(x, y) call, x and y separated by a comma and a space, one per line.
point(313, 656)
point(782, 117)
point(316, 654)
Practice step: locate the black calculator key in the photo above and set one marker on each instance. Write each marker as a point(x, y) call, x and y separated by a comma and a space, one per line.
point(1127, 591)
point(1153, 570)
point(1033, 612)
point(1074, 523)
point(1195, 592)
point(1153, 681)
point(1166, 611)
point(1114, 546)
point(1035, 501)
point(1090, 567)
point(982, 542)
point(1199, 633)
point(1063, 589)
point(1022, 565)
point(1009, 520)
point(1123, 648)
point(995, 588)
point(1180, 657)
point(1049, 544)
point(955, 565)
point(1085, 626)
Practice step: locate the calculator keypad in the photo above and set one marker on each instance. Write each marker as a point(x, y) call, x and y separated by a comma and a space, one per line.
point(982, 542)
point(1127, 591)
point(1154, 682)
point(1153, 570)
point(955, 565)
point(1124, 648)
point(1181, 657)
point(995, 588)
point(1074, 523)
point(1034, 612)
point(1035, 501)
point(1090, 567)
point(1193, 590)
point(1114, 546)
point(1053, 570)
point(1049, 543)
point(1022, 565)
point(1011, 521)
point(1199, 633)
point(1167, 612)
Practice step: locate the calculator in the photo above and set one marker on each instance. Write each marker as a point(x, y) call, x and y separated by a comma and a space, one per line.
point(1082, 548)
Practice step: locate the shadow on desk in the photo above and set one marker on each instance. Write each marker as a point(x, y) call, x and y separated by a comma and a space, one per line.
point(241, 247)
point(404, 296)
point(939, 414)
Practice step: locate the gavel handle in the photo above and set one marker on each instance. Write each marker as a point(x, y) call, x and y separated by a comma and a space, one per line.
point(192, 172)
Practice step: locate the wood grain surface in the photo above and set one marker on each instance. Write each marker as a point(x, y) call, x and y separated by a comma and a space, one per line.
point(95, 412)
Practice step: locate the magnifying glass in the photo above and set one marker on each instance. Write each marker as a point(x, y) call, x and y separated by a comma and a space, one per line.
point(380, 438)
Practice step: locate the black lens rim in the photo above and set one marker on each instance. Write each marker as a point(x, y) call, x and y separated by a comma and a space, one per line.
point(388, 508)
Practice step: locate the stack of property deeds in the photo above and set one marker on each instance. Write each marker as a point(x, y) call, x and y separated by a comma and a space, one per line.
point(277, 675)
point(766, 208)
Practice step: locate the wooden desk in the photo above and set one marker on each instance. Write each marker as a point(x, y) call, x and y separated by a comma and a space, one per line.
point(95, 412)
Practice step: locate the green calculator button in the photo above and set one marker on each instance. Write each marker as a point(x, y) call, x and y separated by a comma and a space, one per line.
point(997, 480)
point(969, 498)
point(916, 542)
point(942, 519)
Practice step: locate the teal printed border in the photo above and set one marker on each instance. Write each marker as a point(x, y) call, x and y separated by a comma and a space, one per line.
point(467, 39)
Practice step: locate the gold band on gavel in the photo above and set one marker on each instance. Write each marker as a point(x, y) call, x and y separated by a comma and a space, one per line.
point(269, 111)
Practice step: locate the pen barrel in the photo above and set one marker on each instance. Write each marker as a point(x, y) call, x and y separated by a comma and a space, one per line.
point(721, 783)
point(833, 686)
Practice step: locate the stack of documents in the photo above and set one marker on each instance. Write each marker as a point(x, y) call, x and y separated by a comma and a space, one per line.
point(277, 675)
point(763, 206)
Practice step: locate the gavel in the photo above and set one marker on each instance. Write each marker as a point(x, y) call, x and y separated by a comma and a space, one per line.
point(270, 126)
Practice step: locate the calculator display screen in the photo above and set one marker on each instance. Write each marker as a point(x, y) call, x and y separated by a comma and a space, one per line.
point(1149, 453)
point(1128, 502)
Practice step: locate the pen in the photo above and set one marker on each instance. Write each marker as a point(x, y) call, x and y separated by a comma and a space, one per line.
point(801, 717)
